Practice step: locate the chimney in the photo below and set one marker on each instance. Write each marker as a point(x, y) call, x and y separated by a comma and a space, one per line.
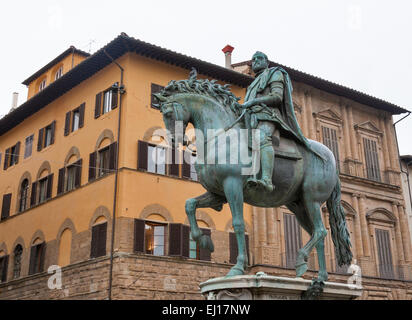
point(228, 56)
point(14, 101)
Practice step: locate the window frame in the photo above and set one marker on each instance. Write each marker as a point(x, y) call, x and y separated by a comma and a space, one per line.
point(154, 224)
point(17, 271)
point(59, 73)
point(28, 147)
point(103, 154)
point(24, 196)
point(42, 84)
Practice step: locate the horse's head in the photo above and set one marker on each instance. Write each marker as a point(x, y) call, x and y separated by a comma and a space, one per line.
point(175, 116)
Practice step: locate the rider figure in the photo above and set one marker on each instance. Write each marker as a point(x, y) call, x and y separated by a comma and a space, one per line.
point(270, 108)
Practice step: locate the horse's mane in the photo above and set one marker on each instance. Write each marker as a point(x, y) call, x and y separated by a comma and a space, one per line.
point(219, 93)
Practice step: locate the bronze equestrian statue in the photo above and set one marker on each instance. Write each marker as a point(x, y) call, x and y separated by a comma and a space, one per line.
point(296, 172)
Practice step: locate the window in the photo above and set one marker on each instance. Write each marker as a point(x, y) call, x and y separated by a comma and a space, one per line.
point(74, 119)
point(331, 141)
point(153, 158)
point(58, 73)
point(106, 101)
point(384, 254)
point(42, 190)
point(5, 209)
point(4, 262)
point(104, 160)
point(24, 193)
point(29, 146)
point(18, 251)
point(293, 239)
point(372, 161)
point(70, 177)
point(155, 88)
point(155, 238)
point(156, 161)
point(99, 238)
point(42, 85)
point(37, 254)
point(46, 136)
point(11, 156)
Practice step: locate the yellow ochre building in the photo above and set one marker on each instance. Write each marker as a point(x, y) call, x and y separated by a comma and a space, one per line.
point(79, 188)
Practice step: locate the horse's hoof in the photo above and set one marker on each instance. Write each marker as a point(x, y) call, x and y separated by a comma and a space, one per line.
point(206, 242)
point(235, 271)
point(301, 269)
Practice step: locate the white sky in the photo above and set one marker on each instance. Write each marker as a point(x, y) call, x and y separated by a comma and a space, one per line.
point(361, 44)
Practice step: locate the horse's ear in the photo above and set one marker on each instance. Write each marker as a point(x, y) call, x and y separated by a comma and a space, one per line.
point(193, 74)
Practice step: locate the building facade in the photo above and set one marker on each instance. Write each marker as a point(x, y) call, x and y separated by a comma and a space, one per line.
point(81, 190)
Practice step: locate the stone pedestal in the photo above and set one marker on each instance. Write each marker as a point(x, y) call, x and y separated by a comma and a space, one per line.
point(264, 287)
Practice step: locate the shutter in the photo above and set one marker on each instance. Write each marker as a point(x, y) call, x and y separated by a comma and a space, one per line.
point(17, 155)
point(205, 254)
point(292, 238)
point(67, 123)
point(186, 166)
point(92, 166)
point(112, 156)
point(94, 244)
point(185, 240)
point(49, 186)
point(6, 158)
point(101, 246)
point(40, 141)
point(32, 266)
point(5, 209)
point(53, 129)
point(5, 262)
point(142, 148)
point(60, 182)
point(384, 254)
point(81, 116)
point(78, 177)
point(33, 193)
point(98, 106)
point(114, 98)
point(139, 227)
point(233, 251)
point(174, 166)
point(175, 239)
point(42, 252)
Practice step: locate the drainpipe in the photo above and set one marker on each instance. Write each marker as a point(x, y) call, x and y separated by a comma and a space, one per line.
point(399, 157)
point(121, 91)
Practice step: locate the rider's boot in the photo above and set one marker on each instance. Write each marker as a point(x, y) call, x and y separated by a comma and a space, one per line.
point(267, 155)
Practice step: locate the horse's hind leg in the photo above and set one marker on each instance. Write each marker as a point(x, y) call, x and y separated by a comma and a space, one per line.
point(318, 235)
point(234, 194)
point(206, 200)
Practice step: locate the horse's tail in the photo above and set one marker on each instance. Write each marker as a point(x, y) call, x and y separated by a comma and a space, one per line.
point(340, 234)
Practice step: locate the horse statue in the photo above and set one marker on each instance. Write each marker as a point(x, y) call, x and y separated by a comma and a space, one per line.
point(303, 182)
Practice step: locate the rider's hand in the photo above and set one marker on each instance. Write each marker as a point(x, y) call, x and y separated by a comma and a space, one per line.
point(247, 105)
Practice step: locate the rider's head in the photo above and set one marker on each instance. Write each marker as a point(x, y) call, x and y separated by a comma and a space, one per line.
point(260, 62)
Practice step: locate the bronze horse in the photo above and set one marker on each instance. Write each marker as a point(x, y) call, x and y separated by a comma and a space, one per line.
point(302, 180)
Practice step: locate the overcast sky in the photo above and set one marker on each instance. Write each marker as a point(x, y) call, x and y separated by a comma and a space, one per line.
point(361, 44)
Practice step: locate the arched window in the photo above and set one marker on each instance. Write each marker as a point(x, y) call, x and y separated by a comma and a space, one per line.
point(58, 73)
point(24, 192)
point(18, 251)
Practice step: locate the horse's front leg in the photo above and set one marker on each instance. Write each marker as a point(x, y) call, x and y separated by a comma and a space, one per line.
point(207, 200)
point(233, 188)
